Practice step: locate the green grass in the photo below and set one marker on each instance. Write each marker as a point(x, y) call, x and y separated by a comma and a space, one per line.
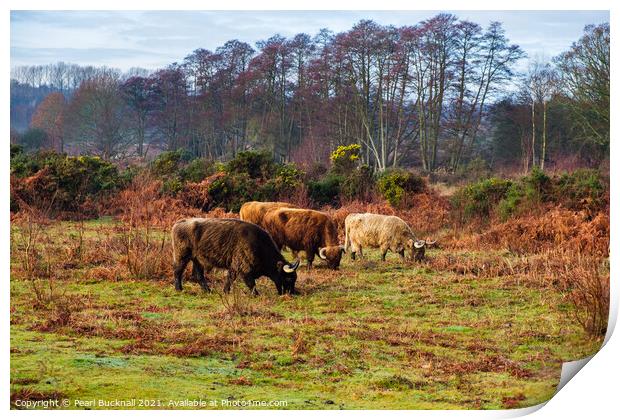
point(370, 336)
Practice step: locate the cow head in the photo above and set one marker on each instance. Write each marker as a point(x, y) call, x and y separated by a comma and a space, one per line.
point(417, 248)
point(332, 255)
point(286, 277)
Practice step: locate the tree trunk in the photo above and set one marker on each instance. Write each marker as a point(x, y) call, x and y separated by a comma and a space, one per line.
point(544, 136)
point(533, 135)
point(141, 130)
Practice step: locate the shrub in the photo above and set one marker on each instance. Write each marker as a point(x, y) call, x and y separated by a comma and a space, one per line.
point(581, 189)
point(395, 185)
point(478, 199)
point(230, 191)
point(129, 173)
point(529, 191)
point(326, 190)
point(538, 185)
point(345, 158)
point(590, 295)
point(16, 149)
point(286, 181)
point(83, 176)
point(359, 184)
point(249, 176)
point(257, 165)
point(63, 183)
point(27, 164)
point(316, 171)
point(196, 170)
point(176, 169)
point(168, 163)
point(509, 205)
point(172, 186)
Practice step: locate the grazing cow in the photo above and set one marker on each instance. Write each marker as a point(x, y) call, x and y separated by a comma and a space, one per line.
point(388, 233)
point(254, 211)
point(310, 231)
point(242, 248)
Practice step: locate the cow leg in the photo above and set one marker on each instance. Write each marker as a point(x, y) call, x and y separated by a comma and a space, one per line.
point(402, 255)
point(354, 249)
point(199, 273)
point(179, 268)
point(251, 283)
point(383, 253)
point(195, 271)
point(359, 250)
point(229, 281)
point(310, 258)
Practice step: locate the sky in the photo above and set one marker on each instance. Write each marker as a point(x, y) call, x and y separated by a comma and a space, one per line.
point(154, 39)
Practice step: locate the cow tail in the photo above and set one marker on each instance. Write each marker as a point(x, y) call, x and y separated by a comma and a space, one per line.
point(174, 248)
point(347, 244)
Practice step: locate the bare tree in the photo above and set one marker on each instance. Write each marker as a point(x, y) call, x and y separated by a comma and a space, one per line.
point(540, 85)
point(96, 117)
point(584, 75)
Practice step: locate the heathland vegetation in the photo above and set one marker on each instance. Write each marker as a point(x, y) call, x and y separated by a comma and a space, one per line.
point(519, 283)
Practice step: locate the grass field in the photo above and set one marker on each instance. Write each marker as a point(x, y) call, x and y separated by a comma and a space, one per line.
point(372, 335)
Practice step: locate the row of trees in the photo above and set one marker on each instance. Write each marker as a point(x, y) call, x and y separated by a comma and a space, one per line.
point(63, 77)
point(415, 95)
point(31, 84)
point(561, 106)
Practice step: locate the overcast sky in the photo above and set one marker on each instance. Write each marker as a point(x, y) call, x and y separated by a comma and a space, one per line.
point(154, 39)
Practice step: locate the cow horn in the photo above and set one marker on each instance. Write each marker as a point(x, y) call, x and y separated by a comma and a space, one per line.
point(429, 242)
point(419, 244)
point(322, 253)
point(290, 268)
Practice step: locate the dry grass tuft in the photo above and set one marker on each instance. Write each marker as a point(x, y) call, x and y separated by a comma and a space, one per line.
point(242, 380)
point(142, 203)
point(556, 229)
point(300, 346)
point(590, 294)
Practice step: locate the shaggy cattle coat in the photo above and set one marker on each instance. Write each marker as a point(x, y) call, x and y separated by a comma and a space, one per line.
point(305, 230)
point(254, 211)
point(388, 233)
point(242, 248)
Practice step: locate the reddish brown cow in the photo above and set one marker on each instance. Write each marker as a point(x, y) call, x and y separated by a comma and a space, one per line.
point(310, 231)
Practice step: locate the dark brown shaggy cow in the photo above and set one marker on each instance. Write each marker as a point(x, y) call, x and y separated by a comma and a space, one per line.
point(310, 231)
point(242, 248)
